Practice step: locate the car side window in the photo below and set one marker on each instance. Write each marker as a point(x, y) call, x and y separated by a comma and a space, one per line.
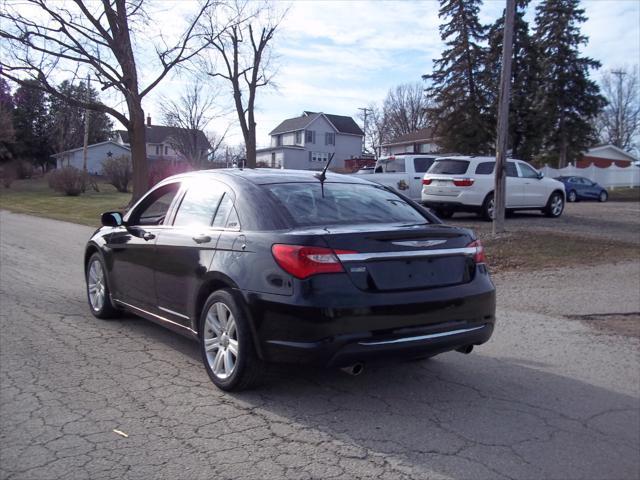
point(485, 168)
point(199, 205)
point(511, 169)
point(421, 165)
point(527, 171)
point(224, 213)
point(154, 208)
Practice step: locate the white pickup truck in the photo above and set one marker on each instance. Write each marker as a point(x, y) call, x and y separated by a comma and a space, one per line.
point(403, 172)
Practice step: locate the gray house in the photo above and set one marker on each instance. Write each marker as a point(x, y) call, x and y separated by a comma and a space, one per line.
point(96, 154)
point(306, 142)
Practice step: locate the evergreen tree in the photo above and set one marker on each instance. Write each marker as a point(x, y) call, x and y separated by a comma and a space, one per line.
point(31, 125)
point(68, 121)
point(525, 134)
point(459, 114)
point(7, 134)
point(570, 100)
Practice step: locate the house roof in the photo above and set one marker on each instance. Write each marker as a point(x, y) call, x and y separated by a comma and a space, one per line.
point(593, 152)
point(342, 123)
point(422, 135)
point(116, 144)
point(161, 133)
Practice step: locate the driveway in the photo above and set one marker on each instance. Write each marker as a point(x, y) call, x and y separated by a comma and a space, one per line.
point(546, 398)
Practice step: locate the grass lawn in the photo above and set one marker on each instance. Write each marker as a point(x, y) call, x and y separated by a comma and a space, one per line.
point(34, 197)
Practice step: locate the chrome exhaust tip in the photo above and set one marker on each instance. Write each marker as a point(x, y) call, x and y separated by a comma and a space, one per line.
point(467, 349)
point(353, 370)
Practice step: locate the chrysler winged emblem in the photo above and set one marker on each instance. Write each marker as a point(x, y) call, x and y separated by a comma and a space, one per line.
point(419, 243)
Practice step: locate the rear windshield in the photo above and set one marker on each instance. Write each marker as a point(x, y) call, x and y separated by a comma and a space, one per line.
point(343, 203)
point(449, 167)
point(421, 165)
point(390, 165)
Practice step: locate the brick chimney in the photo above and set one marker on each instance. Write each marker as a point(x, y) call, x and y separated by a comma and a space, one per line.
point(149, 120)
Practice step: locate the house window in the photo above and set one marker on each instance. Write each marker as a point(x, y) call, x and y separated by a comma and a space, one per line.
point(279, 140)
point(310, 136)
point(330, 138)
point(166, 150)
point(299, 137)
point(158, 149)
point(318, 156)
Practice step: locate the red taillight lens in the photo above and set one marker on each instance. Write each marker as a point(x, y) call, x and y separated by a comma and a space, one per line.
point(463, 182)
point(478, 256)
point(426, 181)
point(302, 262)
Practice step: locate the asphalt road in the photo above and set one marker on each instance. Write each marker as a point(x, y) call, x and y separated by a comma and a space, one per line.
point(547, 398)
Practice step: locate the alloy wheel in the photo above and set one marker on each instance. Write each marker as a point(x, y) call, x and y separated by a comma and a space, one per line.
point(572, 196)
point(556, 205)
point(96, 286)
point(221, 340)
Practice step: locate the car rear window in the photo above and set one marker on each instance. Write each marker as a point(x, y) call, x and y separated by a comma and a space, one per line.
point(449, 167)
point(343, 203)
point(421, 165)
point(485, 168)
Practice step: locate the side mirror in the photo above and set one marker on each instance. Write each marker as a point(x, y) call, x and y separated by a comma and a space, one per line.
point(540, 175)
point(111, 219)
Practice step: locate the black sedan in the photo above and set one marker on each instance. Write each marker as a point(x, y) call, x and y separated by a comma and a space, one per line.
point(277, 266)
point(581, 188)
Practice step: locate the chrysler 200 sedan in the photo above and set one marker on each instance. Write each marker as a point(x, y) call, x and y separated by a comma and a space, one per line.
point(268, 266)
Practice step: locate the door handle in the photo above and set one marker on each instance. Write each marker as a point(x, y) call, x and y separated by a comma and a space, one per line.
point(416, 178)
point(148, 236)
point(202, 238)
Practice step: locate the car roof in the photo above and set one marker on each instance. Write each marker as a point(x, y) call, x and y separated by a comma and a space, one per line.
point(475, 158)
point(264, 176)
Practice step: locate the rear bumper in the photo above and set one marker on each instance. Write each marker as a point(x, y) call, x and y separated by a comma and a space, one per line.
point(451, 206)
point(349, 329)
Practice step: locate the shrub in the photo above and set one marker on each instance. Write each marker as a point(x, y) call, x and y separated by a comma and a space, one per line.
point(69, 180)
point(23, 169)
point(161, 169)
point(8, 174)
point(117, 171)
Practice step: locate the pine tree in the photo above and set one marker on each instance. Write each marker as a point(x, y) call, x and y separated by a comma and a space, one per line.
point(67, 130)
point(460, 116)
point(570, 100)
point(31, 125)
point(7, 134)
point(525, 134)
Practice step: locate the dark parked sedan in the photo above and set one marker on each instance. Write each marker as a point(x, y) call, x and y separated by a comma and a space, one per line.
point(581, 188)
point(276, 266)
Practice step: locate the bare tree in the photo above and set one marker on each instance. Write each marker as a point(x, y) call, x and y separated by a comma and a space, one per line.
point(191, 114)
point(81, 37)
point(405, 109)
point(619, 122)
point(377, 128)
point(244, 47)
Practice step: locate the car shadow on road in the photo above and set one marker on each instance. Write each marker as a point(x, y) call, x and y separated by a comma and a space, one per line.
point(464, 416)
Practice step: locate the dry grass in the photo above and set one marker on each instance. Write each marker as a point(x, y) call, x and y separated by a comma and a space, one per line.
point(34, 197)
point(625, 194)
point(534, 251)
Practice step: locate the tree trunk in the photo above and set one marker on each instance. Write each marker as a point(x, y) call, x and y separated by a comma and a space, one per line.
point(138, 145)
point(251, 149)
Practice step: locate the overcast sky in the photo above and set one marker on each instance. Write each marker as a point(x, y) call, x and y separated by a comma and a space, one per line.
point(337, 56)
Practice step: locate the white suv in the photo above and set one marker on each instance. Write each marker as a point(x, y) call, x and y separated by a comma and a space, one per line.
point(465, 184)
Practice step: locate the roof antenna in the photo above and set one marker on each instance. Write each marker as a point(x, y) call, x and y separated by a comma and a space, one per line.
point(322, 176)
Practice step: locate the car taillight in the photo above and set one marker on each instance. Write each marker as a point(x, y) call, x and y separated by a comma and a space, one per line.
point(478, 256)
point(303, 262)
point(426, 181)
point(463, 182)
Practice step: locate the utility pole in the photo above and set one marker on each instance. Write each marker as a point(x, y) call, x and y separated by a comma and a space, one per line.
point(87, 113)
point(503, 119)
point(619, 112)
point(365, 114)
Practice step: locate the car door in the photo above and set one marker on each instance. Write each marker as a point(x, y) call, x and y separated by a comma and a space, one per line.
point(420, 166)
point(186, 248)
point(535, 191)
point(133, 247)
point(590, 189)
point(514, 187)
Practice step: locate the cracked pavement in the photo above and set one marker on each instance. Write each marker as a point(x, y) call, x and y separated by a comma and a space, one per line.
point(545, 398)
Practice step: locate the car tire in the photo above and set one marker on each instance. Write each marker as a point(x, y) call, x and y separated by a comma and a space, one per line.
point(98, 293)
point(572, 196)
point(603, 197)
point(555, 205)
point(226, 343)
point(444, 213)
point(488, 208)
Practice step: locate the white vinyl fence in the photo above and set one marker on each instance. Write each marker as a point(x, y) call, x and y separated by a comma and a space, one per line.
point(610, 177)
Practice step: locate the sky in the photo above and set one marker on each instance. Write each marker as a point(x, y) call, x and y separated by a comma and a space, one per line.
point(338, 56)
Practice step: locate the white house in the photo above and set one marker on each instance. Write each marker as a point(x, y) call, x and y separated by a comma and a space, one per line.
point(96, 154)
point(420, 141)
point(306, 142)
